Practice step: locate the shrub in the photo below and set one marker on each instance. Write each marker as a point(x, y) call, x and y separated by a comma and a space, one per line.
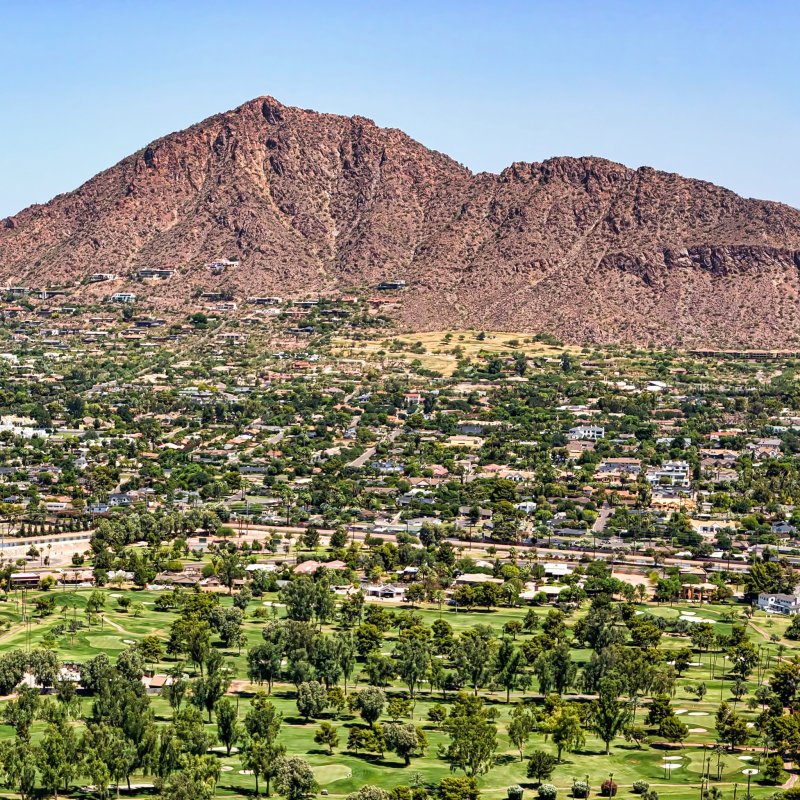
point(547, 792)
point(608, 788)
point(640, 787)
point(458, 788)
point(403, 793)
point(580, 789)
point(369, 793)
point(772, 770)
point(514, 792)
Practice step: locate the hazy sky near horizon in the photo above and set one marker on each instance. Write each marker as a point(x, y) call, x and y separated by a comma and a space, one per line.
point(707, 88)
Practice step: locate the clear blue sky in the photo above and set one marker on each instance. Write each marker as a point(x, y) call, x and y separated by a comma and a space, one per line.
point(706, 88)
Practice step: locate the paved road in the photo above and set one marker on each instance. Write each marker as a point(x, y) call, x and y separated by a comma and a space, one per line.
point(359, 462)
point(602, 519)
point(276, 438)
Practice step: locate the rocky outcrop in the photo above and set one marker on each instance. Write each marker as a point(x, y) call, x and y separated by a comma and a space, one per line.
point(582, 247)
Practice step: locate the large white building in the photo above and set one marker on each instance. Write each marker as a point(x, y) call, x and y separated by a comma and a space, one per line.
point(22, 426)
point(587, 432)
point(779, 603)
point(671, 473)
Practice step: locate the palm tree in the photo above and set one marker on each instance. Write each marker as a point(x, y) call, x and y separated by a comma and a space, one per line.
point(438, 598)
point(712, 793)
point(719, 751)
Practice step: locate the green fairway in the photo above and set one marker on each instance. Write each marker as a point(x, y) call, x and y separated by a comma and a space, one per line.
point(343, 772)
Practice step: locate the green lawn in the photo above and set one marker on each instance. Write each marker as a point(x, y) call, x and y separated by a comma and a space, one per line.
point(344, 772)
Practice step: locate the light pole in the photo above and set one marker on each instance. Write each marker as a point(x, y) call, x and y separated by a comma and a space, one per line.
point(702, 769)
point(749, 772)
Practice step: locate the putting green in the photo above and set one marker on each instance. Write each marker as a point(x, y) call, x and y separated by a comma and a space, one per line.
point(106, 642)
point(330, 773)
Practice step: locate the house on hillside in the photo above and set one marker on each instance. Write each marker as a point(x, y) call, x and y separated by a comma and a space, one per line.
point(391, 284)
point(591, 433)
point(154, 272)
point(576, 448)
point(616, 469)
point(671, 473)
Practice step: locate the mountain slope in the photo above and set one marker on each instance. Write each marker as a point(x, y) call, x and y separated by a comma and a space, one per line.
point(584, 248)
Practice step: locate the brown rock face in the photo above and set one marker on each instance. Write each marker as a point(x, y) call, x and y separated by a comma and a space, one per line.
point(313, 203)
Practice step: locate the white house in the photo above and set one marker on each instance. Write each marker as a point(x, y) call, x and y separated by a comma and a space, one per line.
point(671, 473)
point(587, 432)
point(22, 426)
point(779, 603)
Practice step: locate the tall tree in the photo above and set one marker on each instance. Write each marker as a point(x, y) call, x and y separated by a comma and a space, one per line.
point(473, 737)
point(405, 740)
point(345, 654)
point(294, 778)
point(508, 666)
point(311, 699)
point(206, 691)
point(473, 659)
point(262, 718)
point(370, 702)
point(520, 727)
point(229, 729)
point(109, 752)
point(262, 757)
point(413, 656)
point(261, 752)
point(565, 727)
point(264, 663)
point(609, 715)
point(18, 767)
point(57, 757)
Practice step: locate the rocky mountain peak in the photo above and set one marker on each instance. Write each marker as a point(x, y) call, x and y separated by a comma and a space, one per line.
point(585, 248)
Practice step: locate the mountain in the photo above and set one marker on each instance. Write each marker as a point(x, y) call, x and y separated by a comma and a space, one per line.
point(313, 203)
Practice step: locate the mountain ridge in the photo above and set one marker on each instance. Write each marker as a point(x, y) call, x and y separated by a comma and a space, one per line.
point(585, 248)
